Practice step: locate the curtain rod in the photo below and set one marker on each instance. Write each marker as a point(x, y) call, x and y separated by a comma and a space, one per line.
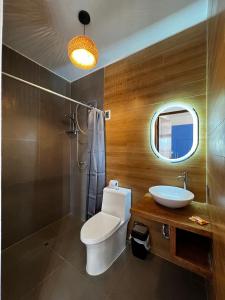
point(49, 91)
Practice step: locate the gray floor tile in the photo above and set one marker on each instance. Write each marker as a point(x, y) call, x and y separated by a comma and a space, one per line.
point(51, 265)
point(33, 242)
point(66, 284)
point(139, 279)
point(77, 258)
point(157, 279)
point(109, 280)
point(67, 224)
point(67, 244)
point(22, 276)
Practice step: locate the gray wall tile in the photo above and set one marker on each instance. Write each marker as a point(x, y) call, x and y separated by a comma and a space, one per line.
point(36, 150)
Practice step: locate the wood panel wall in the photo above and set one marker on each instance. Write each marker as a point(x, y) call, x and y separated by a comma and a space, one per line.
point(172, 70)
point(216, 140)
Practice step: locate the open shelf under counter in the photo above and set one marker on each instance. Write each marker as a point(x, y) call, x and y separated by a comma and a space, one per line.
point(178, 217)
point(193, 250)
point(189, 245)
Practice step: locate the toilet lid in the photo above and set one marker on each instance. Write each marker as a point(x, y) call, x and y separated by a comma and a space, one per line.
point(98, 228)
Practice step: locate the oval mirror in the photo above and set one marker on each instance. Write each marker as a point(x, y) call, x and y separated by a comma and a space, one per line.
point(174, 132)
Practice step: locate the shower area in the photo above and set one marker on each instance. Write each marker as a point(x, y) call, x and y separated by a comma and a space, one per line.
point(53, 147)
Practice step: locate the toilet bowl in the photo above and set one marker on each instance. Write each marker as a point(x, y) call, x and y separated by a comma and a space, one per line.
point(105, 233)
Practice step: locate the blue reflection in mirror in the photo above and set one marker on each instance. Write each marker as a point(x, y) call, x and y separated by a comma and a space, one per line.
point(182, 139)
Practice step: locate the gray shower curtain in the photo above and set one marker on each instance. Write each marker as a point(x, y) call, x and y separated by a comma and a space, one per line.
point(96, 161)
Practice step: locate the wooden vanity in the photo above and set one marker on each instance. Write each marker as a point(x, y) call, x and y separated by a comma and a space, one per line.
point(189, 244)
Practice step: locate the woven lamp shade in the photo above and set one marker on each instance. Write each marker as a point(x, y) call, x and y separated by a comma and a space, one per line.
point(83, 52)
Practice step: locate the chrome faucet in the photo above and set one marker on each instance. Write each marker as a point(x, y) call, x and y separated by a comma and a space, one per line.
point(184, 177)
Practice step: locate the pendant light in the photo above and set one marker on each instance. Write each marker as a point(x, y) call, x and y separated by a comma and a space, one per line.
point(82, 50)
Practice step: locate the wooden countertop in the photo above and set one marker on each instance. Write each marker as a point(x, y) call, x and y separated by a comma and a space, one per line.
point(149, 209)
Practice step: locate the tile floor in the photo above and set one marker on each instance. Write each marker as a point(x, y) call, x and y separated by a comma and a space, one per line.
point(50, 265)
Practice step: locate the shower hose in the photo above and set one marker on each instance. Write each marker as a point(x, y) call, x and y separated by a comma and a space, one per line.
point(82, 165)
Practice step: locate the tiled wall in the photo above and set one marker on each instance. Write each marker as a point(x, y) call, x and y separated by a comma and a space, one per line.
point(216, 140)
point(36, 150)
point(89, 89)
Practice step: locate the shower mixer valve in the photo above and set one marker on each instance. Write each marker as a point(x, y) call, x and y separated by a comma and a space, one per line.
point(74, 129)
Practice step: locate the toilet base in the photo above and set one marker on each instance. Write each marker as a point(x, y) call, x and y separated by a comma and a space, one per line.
point(102, 255)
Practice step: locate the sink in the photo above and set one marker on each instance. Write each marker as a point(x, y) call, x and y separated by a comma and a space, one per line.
point(171, 196)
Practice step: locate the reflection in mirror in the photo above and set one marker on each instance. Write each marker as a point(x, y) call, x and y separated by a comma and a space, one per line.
point(174, 132)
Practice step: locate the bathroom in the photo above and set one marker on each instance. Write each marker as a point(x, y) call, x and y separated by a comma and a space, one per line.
point(113, 169)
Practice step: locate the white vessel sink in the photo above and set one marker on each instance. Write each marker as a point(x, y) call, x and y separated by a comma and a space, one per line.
point(171, 196)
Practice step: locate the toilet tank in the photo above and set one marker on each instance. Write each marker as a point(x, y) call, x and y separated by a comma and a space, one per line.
point(117, 202)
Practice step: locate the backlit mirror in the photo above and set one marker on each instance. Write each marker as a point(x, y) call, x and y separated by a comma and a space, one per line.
point(174, 132)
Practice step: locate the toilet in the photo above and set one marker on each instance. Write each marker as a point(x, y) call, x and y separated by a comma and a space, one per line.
point(104, 234)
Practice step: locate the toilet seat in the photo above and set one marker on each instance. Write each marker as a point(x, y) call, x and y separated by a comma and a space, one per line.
point(98, 228)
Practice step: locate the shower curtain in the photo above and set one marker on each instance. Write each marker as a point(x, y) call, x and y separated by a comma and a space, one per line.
point(96, 161)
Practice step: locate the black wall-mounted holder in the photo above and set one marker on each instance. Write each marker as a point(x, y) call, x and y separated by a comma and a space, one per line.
point(84, 17)
point(166, 231)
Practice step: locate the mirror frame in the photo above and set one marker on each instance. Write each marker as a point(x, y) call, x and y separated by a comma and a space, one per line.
point(194, 147)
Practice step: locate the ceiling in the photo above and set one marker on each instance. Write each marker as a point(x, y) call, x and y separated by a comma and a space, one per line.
point(41, 29)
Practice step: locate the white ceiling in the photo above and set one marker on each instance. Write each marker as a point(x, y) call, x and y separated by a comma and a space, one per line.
point(41, 29)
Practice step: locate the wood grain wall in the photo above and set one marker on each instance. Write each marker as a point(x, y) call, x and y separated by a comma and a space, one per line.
point(174, 69)
point(216, 140)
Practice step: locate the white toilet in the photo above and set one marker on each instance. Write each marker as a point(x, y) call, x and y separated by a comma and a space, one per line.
point(105, 233)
